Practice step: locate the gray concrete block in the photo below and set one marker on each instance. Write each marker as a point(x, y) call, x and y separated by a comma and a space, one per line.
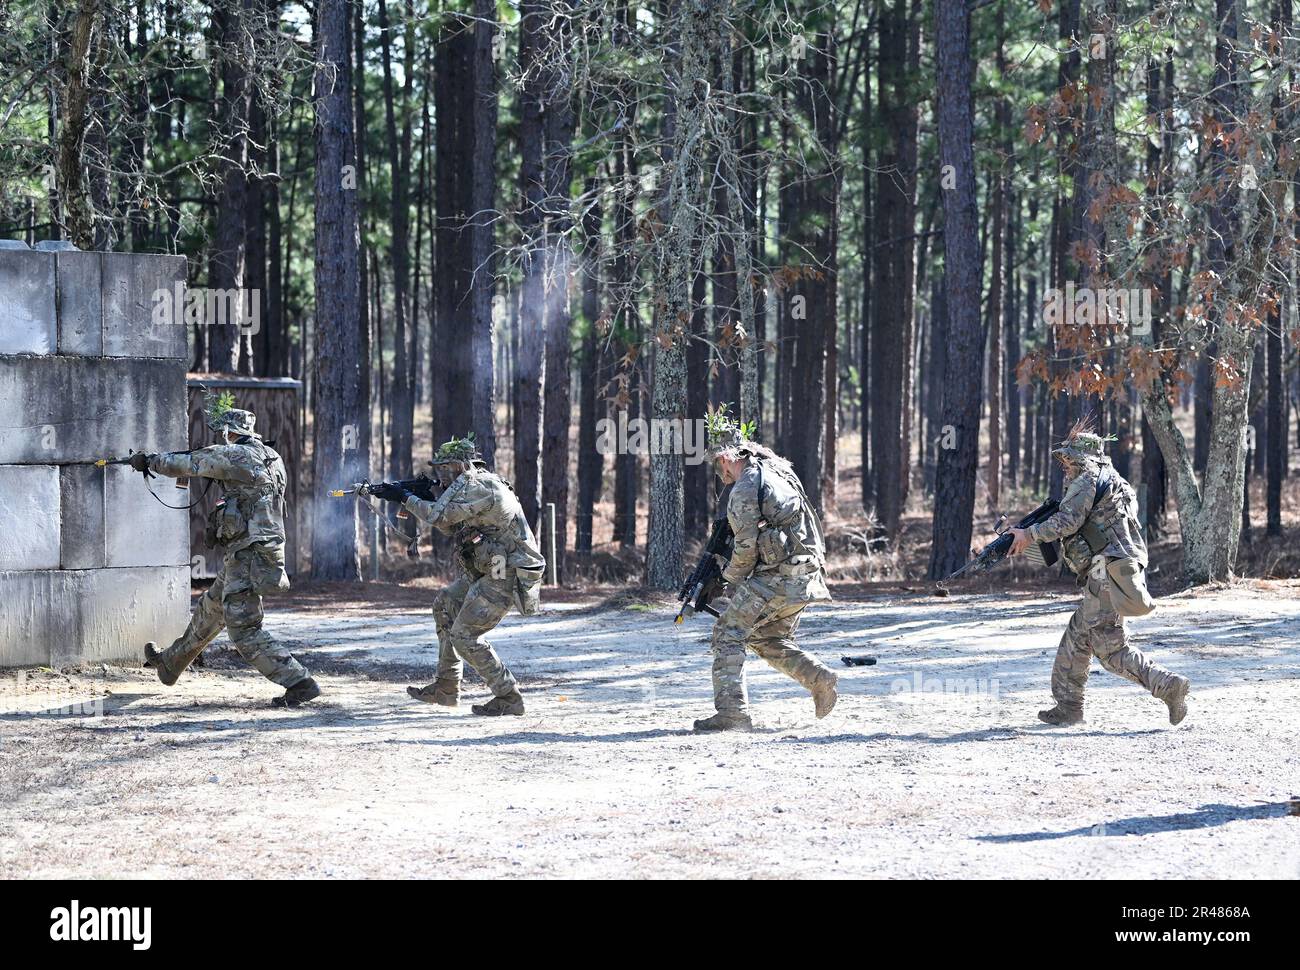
point(27, 317)
point(33, 617)
point(59, 409)
point(138, 529)
point(141, 316)
point(118, 610)
point(29, 517)
point(72, 616)
point(81, 498)
point(81, 315)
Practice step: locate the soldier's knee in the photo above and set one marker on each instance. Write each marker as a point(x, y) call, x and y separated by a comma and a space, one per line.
point(765, 646)
point(442, 620)
point(466, 641)
point(729, 638)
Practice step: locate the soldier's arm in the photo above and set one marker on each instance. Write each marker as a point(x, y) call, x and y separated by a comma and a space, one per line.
point(461, 501)
point(743, 515)
point(226, 463)
point(1070, 516)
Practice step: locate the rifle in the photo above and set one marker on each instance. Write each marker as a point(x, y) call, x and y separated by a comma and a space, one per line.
point(997, 550)
point(705, 581)
point(101, 462)
point(421, 486)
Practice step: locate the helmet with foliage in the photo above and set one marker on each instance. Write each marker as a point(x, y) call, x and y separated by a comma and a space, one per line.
point(1082, 445)
point(463, 450)
point(727, 437)
point(221, 415)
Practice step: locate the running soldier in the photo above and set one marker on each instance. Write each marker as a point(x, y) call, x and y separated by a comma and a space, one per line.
point(248, 526)
point(501, 565)
point(1101, 540)
point(776, 570)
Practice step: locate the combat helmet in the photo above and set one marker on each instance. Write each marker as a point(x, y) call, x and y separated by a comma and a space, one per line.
point(727, 437)
point(222, 416)
point(1082, 445)
point(458, 450)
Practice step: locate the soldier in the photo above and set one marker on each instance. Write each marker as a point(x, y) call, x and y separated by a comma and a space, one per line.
point(776, 570)
point(501, 564)
point(1102, 542)
point(248, 526)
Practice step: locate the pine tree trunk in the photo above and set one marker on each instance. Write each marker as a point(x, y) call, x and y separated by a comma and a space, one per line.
point(591, 461)
point(338, 454)
point(402, 399)
point(893, 334)
point(482, 246)
point(229, 246)
point(954, 502)
point(700, 42)
point(558, 414)
point(531, 361)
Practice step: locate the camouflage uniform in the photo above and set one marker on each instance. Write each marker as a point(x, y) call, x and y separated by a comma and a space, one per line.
point(776, 570)
point(248, 526)
point(1102, 541)
point(502, 566)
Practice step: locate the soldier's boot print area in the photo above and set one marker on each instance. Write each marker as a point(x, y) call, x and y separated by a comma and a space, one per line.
point(444, 691)
point(511, 703)
point(1176, 699)
point(299, 693)
point(724, 722)
point(825, 694)
point(1061, 717)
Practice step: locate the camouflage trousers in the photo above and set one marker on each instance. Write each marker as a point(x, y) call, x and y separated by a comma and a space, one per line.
point(231, 602)
point(761, 617)
point(1097, 629)
point(463, 613)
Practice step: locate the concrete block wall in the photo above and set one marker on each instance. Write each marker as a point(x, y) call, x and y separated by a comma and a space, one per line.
point(91, 566)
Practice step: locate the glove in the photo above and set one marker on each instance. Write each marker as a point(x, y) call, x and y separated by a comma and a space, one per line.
point(140, 461)
point(389, 492)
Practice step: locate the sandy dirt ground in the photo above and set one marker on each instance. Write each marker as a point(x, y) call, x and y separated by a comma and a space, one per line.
point(932, 765)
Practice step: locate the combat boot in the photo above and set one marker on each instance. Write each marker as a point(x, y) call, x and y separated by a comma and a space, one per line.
point(444, 692)
point(153, 657)
point(725, 722)
point(824, 694)
point(299, 693)
point(1060, 716)
point(512, 703)
point(1176, 698)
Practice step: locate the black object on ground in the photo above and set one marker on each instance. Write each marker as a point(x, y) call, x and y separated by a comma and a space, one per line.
point(859, 661)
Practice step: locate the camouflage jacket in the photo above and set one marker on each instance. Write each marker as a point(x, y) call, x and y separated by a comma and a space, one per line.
point(484, 517)
point(778, 537)
point(253, 478)
point(1101, 507)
